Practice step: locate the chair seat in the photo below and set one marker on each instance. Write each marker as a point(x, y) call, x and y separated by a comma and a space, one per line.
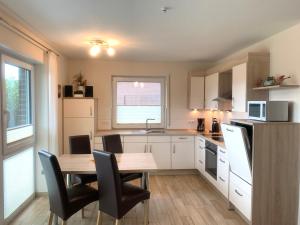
point(130, 176)
point(131, 195)
point(79, 196)
point(84, 178)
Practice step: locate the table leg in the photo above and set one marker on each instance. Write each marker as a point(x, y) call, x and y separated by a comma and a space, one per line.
point(69, 180)
point(146, 185)
point(56, 220)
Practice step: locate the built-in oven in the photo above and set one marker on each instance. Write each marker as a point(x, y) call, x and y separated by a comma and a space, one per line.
point(211, 158)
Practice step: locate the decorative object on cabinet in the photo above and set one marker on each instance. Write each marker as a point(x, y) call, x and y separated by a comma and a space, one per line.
point(68, 91)
point(89, 91)
point(274, 83)
point(79, 83)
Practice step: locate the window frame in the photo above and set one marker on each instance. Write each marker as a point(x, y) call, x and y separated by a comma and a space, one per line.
point(156, 79)
point(15, 147)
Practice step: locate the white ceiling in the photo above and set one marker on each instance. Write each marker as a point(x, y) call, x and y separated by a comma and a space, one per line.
point(193, 30)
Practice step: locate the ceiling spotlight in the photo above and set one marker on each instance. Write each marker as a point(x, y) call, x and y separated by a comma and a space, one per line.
point(110, 51)
point(98, 45)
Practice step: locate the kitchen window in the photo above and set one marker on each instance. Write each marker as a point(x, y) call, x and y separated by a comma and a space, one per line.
point(136, 99)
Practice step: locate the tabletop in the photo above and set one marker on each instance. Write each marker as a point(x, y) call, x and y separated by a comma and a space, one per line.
point(127, 163)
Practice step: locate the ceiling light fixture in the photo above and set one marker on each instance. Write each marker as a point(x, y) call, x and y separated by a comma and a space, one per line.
point(98, 45)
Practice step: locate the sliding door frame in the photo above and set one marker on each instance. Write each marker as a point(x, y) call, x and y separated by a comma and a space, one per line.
point(14, 148)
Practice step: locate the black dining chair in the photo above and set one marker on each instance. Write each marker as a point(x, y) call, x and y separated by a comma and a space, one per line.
point(113, 144)
point(116, 198)
point(63, 202)
point(80, 144)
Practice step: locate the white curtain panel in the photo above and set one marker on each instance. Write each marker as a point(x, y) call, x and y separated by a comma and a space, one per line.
point(53, 103)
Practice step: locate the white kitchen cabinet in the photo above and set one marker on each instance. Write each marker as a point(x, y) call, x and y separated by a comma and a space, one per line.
point(211, 91)
point(240, 194)
point(78, 126)
point(196, 92)
point(135, 144)
point(239, 88)
point(161, 154)
point(200, 154)
point(75, 107)
point(223, 171)
point(183, 153)
point(78, 119)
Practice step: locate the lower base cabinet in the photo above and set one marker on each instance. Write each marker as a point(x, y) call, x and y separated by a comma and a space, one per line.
point(161, 154)
point(240, 195)
point(183, 153)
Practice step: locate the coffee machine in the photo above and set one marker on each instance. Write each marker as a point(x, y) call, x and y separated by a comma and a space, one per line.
point(215, 128)
point(201, 124)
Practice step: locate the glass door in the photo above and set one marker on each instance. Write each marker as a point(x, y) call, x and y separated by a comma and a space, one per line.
point(17, 134)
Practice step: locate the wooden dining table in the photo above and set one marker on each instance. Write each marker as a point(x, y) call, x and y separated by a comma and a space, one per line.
point(127, 163)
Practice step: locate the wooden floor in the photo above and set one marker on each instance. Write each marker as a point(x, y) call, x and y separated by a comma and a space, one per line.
point(175, 200)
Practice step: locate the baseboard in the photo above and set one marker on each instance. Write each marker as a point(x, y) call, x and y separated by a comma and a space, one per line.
point(41, 194)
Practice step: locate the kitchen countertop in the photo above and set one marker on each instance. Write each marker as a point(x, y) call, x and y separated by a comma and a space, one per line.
point(167, 132)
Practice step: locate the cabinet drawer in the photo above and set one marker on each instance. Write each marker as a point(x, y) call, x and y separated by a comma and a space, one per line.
point(182, 138)
point(240, 194)
point(135, 139)
point(223, 184)
point(200, 141)
point(159, 139)
point(222, 152)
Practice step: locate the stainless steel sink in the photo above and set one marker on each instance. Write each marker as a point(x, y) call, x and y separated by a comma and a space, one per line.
point(158, 131)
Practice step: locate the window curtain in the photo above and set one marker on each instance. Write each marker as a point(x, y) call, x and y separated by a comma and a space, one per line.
point(53, 103)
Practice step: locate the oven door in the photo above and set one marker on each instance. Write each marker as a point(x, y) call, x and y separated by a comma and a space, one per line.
point(211, 162)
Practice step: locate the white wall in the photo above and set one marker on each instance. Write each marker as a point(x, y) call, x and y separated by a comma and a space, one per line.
point(98, 73)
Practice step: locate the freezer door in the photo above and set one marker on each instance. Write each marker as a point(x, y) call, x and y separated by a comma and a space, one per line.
point(237, 144)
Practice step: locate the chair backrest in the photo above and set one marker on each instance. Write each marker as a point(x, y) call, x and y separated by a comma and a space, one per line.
point(109, 183)
point(57, 191)
point(112, 143)
point(80, 144)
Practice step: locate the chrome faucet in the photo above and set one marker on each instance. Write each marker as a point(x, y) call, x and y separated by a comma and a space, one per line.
point(148, 123)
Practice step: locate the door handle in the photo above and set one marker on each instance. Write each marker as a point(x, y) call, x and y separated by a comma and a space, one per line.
point(182, 138)
point(150, 148)
point(91, 111)
point(91, 134)
point(230, 130)
point(222, 161)
point(210, 151)
point(145, 149)
point(221, 179)
point(200, 162)
point(174, 149)
point(222, 151)
point(237, 192)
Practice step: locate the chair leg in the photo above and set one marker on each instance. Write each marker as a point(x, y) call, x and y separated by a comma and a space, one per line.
point(146, 212)
point(50, 221)
point(118, 222)
point(64, 222)
point(99, 218)
point(82, 213)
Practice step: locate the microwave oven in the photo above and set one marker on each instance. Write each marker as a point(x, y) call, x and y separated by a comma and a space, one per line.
point(268, 110)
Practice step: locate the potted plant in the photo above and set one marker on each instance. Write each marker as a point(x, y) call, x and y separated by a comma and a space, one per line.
point(79, 84)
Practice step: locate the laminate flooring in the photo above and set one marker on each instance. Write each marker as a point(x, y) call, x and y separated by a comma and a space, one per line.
point(175, 200)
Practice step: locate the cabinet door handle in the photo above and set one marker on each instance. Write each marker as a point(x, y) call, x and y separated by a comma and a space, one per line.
point(151, 148)
point(222, 161)
point(237, 192)
point(230, 130)
point(91, 111)
point(182, 138)
point(145, 149)
point(174, 149)
point(222, 151)
point(221, 179)
point(200, 161)
point(91, 135)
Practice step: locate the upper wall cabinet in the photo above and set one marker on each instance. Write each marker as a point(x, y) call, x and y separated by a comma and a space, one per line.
point(196, 92)
point(245, 77)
